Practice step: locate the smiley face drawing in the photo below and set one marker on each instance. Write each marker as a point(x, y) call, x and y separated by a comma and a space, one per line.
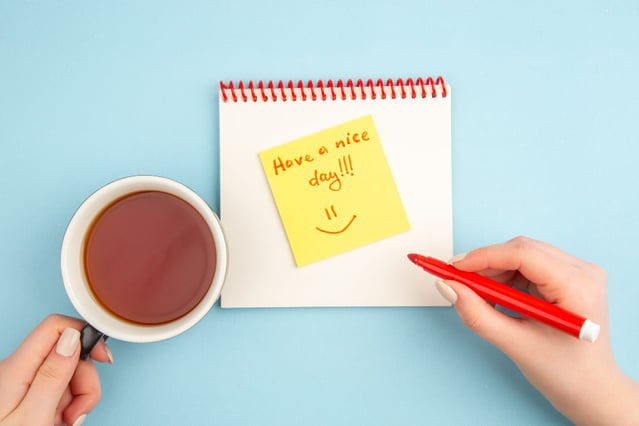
point(330, 213)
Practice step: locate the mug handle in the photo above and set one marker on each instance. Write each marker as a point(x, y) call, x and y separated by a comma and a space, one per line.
point(89, 337)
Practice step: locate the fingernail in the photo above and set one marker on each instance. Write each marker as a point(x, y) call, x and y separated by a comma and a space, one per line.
point(447, 292)
point(109, 354)
point(79, 420)
point(457, 258)
point(68, 342)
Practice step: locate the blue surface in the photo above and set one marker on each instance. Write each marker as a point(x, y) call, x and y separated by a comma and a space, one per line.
point(545, 143)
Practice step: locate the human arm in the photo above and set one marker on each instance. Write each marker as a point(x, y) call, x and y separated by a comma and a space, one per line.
point(581, 379)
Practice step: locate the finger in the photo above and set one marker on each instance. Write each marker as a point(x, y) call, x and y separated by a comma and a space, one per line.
point(555, 251)
point(523, 242)
point(85, 390)
point(28, 357)
point(501, 330)
point(62, 405)
point(38, 343)
point(530, 258)
point(102, 353)
point(53, 376)
point(512, 278)
point(497, 274)
point(515, 279)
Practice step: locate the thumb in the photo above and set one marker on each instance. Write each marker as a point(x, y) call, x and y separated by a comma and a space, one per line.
point(501, 330)
point(53, 376)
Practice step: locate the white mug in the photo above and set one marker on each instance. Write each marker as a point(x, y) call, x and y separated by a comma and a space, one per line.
point(101, 322)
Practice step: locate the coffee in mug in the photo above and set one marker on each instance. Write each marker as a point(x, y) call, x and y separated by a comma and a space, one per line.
point(143, 259)
point(149, 257)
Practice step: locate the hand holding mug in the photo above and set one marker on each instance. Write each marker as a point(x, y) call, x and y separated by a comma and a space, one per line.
point(44, 382)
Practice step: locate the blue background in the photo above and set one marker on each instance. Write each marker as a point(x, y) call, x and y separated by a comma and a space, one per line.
point(545, 143)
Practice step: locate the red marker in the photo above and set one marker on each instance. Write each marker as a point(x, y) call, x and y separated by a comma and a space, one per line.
point(512, 299)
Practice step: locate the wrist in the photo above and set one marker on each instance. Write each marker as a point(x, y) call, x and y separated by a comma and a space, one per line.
point(609, 398)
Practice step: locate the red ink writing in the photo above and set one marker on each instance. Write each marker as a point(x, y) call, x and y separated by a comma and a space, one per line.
point(355, 138)
point(329, 214)
point(333, 177)
point(280, 164)
point(346, 165)
point(330, 177)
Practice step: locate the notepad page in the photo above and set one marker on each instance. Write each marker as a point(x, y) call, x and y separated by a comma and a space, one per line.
point(416, 138)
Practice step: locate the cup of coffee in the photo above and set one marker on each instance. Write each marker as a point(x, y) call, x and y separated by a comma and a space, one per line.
point(143, 259)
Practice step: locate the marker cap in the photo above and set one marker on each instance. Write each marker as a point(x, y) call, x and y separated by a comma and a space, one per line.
point(589, 331)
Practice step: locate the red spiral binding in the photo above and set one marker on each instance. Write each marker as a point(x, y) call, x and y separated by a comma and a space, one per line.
point(290, 91)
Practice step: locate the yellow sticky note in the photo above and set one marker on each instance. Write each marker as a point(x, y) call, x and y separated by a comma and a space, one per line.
point(334, 190)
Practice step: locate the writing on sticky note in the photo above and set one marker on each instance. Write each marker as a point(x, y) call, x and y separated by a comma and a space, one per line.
point(334, 190)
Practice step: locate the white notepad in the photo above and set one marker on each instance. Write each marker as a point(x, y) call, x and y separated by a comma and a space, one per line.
point(412, 121)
